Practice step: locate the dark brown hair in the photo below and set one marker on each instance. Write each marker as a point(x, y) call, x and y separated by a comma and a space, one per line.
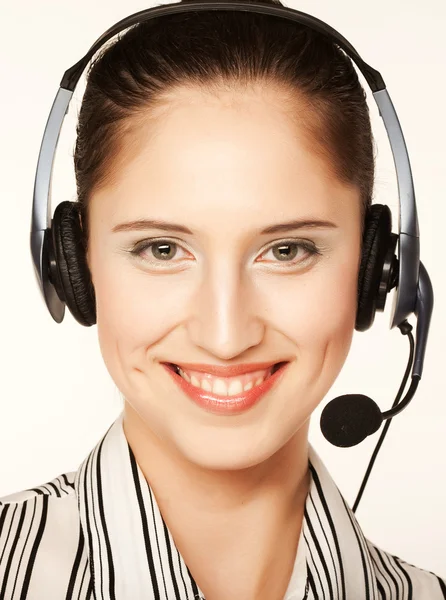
point(131, 78)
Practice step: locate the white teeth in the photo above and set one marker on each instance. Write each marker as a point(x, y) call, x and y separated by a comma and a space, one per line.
point(184, 375)
point(206, 385)
point(235, 387)
point(219, 387)
point(194, 381)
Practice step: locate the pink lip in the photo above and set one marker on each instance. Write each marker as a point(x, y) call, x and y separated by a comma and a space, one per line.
point(226, 404)
point(227, 370)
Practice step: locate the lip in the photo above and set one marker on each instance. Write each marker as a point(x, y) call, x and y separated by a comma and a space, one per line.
point(227, 370)
point(227, 405)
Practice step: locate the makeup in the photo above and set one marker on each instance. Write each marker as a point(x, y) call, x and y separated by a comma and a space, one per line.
point(226, 405)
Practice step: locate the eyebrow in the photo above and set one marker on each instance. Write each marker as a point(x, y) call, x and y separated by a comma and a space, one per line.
point(144, 224)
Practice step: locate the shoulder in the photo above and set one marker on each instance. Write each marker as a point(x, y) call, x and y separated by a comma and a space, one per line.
point(42, 510)
point(40, 534)
point(60, 486)
point(395, 575)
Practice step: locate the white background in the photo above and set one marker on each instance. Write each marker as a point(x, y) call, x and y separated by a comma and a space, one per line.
point(57, 398)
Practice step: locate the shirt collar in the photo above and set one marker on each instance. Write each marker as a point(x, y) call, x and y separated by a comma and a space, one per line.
point(131, 550)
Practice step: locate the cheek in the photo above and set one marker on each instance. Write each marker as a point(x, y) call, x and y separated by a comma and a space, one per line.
point(136, 309)
point(319, 317)
point(319, 306)
point(140, 306)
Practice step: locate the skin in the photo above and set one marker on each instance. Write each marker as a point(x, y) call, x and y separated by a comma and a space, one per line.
point(231, 489)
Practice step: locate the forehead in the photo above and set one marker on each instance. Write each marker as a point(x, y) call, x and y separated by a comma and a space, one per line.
point(224, 153)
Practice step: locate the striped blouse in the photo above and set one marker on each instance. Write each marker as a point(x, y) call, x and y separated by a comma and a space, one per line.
point(98, 533)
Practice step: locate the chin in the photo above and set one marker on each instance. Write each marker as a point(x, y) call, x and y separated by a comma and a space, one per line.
point(228, 451)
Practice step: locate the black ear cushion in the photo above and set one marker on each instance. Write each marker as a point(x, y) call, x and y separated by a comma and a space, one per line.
point(376, 240)
point(71, 259)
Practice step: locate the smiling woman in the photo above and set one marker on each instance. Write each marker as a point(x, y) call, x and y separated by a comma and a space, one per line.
point(224, 166)
point(231, 292)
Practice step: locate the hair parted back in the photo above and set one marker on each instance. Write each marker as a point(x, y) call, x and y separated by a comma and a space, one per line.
point(130, 79)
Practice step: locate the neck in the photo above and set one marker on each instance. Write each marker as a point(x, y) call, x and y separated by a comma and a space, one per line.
point(244, 522)
point(282, 479)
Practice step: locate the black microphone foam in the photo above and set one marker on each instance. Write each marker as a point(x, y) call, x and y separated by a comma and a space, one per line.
point(349, 419)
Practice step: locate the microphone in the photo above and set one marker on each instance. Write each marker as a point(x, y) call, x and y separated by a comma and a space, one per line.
point(348, 420)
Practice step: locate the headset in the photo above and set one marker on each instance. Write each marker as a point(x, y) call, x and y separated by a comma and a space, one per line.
point(388, 260)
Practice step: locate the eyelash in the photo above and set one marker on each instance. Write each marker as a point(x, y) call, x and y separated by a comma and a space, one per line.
point(309, 247)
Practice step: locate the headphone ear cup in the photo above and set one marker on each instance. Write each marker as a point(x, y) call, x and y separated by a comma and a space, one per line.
point(71, 262)
point(375, 244)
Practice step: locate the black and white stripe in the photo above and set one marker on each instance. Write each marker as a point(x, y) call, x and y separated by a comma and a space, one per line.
point(98, 534)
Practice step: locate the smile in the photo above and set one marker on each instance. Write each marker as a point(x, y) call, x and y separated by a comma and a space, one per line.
point(226, 394)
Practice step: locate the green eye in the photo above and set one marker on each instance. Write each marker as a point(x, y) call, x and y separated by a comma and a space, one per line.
point(290, 249)
point(287, 252)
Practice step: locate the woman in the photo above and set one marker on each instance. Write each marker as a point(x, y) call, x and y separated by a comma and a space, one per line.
point(195, 141)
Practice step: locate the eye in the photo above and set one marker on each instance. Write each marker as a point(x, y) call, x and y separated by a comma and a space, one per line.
point(287, 252)
point(161, 250)
point(293, 252)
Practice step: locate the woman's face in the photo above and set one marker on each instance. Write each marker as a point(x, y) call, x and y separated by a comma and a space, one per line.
point(225, 168)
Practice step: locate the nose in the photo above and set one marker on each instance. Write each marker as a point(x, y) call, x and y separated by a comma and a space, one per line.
point(224, 316)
